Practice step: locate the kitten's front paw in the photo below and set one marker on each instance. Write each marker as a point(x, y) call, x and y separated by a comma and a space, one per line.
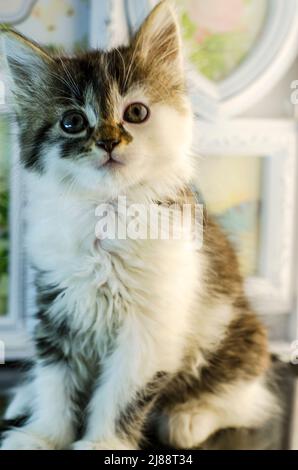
point(102, 445)
point(187, 429)
point(24, 440)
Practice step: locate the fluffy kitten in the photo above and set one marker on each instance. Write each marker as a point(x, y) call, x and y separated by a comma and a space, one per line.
point(130, 332)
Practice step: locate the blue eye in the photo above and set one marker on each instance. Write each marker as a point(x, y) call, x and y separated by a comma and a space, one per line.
point(74, 122)
point(136, 113)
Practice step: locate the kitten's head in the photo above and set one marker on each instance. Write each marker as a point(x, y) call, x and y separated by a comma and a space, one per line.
point(106, 121)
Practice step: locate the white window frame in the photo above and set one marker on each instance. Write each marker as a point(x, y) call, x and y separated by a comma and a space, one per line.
point(272, 291)
point(13, 325)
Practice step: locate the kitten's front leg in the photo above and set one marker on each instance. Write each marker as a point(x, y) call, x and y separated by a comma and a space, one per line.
point(132, 377)
point(51, 425)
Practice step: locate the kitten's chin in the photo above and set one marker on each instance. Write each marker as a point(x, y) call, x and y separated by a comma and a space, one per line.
point(108, 181)
point(105, 183)
point(88, 180)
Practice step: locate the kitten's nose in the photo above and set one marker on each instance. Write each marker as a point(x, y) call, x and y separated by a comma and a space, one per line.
point(108, 144)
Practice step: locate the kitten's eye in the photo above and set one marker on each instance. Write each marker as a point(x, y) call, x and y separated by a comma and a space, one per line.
point(136, 113)
point(74, 122)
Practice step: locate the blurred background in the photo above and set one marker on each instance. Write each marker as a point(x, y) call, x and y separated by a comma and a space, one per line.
point(241, 59)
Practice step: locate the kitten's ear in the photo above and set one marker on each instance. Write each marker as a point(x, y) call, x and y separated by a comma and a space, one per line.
point(27, 62)
point(159, 38)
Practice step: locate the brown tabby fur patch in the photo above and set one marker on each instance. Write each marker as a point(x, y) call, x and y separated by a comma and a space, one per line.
point(243, 353)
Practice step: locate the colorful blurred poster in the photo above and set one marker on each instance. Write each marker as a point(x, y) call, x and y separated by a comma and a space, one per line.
point(232, 189)
point(219, 34)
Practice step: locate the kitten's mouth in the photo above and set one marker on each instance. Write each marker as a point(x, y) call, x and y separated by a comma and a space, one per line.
point(110, 161)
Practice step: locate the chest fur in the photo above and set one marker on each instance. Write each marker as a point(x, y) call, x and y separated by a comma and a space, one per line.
point(103, 282)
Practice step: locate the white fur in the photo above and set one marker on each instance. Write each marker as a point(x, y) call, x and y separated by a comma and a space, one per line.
point(51, 425)
point(21, 439)
point(21, 403)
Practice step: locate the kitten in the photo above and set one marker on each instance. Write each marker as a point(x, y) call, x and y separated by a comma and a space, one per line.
point(130, 333)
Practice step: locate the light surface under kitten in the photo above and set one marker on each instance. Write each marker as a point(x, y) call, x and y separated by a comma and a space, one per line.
point(131, 334)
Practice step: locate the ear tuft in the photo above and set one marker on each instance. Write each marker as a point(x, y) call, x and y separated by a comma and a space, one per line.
point(159, 38)
point(26, 61)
